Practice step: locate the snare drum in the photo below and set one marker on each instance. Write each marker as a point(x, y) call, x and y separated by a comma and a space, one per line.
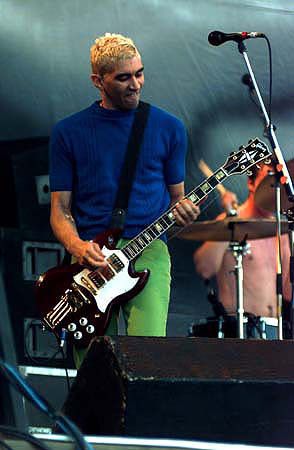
point(226, 327)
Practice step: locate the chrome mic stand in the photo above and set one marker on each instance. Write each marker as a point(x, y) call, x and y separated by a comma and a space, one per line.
point(288, 184)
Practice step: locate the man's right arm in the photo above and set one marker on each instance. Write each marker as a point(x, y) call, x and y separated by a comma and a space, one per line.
point(64, 228)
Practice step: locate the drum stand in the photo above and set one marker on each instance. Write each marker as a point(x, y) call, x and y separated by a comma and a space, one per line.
point(238, 250)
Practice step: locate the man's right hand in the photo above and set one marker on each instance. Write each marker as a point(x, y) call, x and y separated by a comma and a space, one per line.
point(229, 202)
point(88, 253)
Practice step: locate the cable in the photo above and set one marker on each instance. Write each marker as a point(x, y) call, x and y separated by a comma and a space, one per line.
point(66, 369)
point(48, 359)
point(58, 350)
point(12, 432)
point(15, 378)
point(4, 445)
point(270, 80)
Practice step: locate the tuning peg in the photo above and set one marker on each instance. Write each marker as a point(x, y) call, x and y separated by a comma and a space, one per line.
point(232, 153)
point(241, 147)
point(250, 140)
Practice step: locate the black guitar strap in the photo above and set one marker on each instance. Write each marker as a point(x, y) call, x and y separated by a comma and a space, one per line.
point(128, 170)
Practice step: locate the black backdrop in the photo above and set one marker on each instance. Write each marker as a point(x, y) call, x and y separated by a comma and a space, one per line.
point(44, 51)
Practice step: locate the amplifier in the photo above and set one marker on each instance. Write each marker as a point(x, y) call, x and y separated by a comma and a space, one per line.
point(50, 383)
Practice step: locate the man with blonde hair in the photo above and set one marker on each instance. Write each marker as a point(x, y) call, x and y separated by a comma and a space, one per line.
point(109, 49)
point(87, 156)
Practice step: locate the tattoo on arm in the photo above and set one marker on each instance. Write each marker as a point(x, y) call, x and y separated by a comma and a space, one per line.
point(67, 213)
point(69, 217)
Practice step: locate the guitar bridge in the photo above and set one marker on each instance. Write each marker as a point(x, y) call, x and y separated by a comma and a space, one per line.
point(61, 310)
point(78, 297)
point(88, 285)
point(72, 300)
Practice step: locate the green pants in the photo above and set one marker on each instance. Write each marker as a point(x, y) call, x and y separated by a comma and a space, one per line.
point(146, 314)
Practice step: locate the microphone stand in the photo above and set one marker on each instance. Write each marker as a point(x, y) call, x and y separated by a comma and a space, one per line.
point(288, 186)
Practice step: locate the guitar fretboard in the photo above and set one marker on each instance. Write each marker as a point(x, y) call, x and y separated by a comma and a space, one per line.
point(167, 220)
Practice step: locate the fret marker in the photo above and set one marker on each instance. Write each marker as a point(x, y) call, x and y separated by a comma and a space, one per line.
point(193, 198)
point(220, 175)
point(206, 187)
point(170, 215)
point(158, 227)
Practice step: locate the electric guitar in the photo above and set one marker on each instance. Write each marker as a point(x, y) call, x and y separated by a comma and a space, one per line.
point(78, 301)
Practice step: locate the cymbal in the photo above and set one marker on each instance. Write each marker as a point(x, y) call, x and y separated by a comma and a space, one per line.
point(231, 229)
point(264, 196)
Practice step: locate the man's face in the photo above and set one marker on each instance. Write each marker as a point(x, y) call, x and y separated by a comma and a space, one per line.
point(262, 173)
point(121, 88)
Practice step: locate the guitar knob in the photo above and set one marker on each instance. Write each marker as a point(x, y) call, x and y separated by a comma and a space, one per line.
point(83, 321)
point(78, 335)
point(90, 329)
point(72, 327)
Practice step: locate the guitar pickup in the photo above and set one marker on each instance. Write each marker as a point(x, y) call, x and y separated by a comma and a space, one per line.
point(88, 285)
point(115, 262)
point(107, 273)
point(97, 279)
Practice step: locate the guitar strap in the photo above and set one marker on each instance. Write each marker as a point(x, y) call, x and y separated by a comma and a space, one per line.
point(128, 170)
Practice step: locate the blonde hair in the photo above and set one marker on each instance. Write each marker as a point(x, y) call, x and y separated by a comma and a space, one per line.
point(108, 50)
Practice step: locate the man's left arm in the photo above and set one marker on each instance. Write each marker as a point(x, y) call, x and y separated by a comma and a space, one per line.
point(185, 211)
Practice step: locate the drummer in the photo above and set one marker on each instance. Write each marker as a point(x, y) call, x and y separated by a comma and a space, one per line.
point(214, 259)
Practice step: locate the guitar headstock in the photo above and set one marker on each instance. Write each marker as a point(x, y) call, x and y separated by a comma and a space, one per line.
point(241, 161)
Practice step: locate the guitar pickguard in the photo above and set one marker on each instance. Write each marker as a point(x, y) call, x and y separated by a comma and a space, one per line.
point(121, 282)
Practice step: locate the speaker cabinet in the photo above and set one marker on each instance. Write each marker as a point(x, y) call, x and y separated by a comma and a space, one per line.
point(22, 190)
point(21, 265)
point(187, 388)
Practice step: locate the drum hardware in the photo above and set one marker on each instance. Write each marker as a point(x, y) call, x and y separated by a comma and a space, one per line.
point(226, 327)
point(236, 231)
point(238, 250)
point(221, 230)
point(290, 216)
point(217, 307)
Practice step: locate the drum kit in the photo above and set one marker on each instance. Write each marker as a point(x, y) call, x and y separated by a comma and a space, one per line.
point(237, 231)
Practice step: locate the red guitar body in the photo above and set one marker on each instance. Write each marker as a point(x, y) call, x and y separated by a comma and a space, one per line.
point(79, 301)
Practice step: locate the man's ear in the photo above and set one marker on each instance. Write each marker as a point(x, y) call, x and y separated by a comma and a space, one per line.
point(97, 81)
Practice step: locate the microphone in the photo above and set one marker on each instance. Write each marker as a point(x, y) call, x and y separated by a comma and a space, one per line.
point(218, 37)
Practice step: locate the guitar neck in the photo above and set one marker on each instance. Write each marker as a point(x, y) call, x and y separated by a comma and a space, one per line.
point(167, 220)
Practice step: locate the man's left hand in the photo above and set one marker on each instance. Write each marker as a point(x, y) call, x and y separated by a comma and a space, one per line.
point(185, 212)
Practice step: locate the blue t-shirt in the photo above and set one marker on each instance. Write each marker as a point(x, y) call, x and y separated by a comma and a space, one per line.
point(87, 151)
